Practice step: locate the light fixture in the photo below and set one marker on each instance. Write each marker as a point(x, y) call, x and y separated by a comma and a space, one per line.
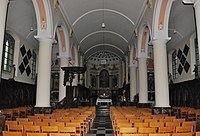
point(174, 32)
point(31, 29)
point(103, 23)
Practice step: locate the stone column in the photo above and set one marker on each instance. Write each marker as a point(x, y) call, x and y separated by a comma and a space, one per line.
point(123, 74)
point(110, 81)
point(81, 75)
point(137, 78)
point(3, 12)
point(64, 62)
point(87, 77)
point(143, 94)
point(161, 78)
point(75, 80)
point(97, 81)
point(133, 81)
point(44, 73)
point(161, 74)
point(126, 70)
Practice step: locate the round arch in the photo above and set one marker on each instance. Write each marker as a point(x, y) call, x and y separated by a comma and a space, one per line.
point(99, 10)
point(95, 46)
point(111, 32)
point(143, 40)
point(64, 41)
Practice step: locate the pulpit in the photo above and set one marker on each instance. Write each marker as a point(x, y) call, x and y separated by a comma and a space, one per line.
point(69, 74)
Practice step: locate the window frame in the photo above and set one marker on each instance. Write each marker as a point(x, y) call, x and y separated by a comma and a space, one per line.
point(34, 60)
point(174, 65)
point(8, 52)
point(196, 54)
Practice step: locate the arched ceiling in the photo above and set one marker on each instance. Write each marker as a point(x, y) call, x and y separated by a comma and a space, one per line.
point(120, 18)
point(181, 22)
point(21, 19)
point(106, 56)
point(86, 16)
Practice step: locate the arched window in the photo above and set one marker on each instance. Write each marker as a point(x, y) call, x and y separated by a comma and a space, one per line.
point(8, 52)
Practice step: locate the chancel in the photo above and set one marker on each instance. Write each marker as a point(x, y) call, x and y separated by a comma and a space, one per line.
point(99, 67)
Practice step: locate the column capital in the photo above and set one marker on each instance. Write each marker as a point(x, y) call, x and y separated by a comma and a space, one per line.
point(190, 1)
point(142, 57)
point(61, 57)
point(44, 38)
point(160, 41)
point(133, 65)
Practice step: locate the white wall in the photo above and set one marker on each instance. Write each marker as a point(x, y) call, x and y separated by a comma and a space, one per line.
point(18, 59)
point(190, 58)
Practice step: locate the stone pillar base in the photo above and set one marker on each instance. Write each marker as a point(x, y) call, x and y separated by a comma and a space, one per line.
point(42, 110)
point(144, 105)
point(162, 110)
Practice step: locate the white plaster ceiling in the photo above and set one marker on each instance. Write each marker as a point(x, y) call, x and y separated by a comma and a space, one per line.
point(181, 22)
point(21, 20)
point(120, 18)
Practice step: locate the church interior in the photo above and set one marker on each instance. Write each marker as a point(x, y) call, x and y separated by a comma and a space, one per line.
point(99, 68)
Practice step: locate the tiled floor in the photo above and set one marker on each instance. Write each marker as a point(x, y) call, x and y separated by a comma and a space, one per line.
point(102, 125)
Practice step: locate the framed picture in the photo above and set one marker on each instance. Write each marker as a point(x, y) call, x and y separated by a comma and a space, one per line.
point(55, 81)
point(55, 84)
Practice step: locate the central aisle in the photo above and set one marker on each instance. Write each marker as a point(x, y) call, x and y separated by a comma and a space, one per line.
point(102, 125)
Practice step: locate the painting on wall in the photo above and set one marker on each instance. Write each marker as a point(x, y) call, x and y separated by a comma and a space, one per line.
point(182, 56)
point(55, 81)
point(54, 87)
point(26, 59)
point(151, 86)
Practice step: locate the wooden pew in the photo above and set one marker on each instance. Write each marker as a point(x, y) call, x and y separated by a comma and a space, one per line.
point(18, 128)
point(159, 134)
point(49, 129)
point(9, 133)
point(182, 134)
point(30, 128)
point(146, 130)
point(190, 123)
point(59, 134)
point(37, 134)
point(127, 130)
point(184, 129)
point(166, 129)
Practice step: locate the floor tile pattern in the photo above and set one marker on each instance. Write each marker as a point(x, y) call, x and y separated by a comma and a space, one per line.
point(102, 125)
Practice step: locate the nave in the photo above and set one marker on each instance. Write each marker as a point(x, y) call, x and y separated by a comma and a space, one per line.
point(103, 121)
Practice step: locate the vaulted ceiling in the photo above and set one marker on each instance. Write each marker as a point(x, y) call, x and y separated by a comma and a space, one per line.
point(120, 17)
point(181, 22)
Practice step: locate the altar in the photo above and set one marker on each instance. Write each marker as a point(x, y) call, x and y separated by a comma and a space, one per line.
point(101, 101)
